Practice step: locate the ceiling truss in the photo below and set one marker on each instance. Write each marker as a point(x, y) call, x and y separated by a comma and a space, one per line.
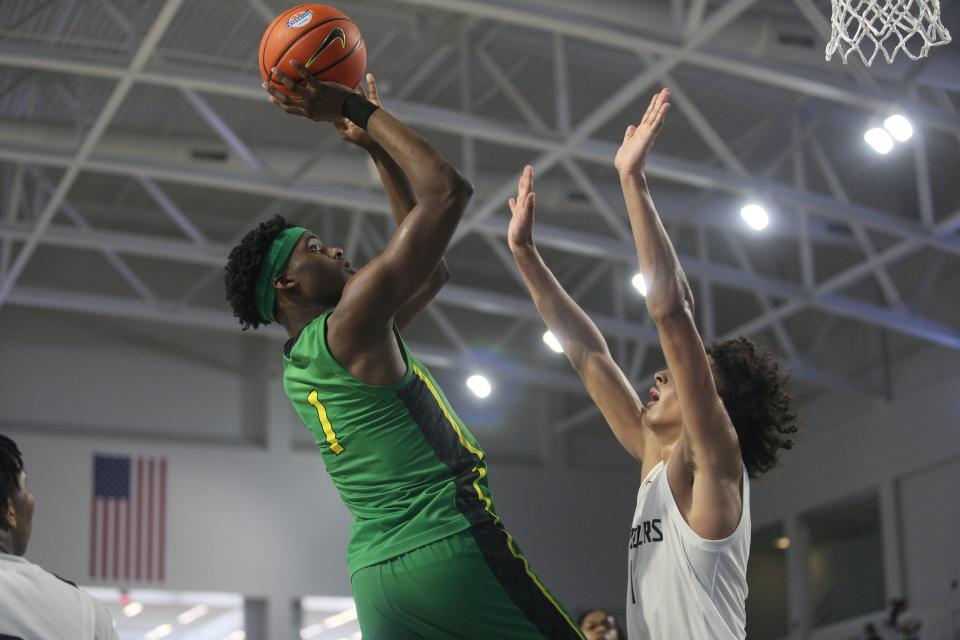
point(557, 141)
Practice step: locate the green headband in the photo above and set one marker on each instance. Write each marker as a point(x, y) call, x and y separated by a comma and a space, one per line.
point(273, 264)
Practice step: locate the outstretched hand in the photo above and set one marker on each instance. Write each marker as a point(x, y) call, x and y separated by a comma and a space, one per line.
point(520, 231)
point(638, 139)
point(351, 132)
point(310, 98)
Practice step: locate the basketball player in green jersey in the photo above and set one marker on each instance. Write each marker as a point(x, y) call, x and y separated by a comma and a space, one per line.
point(428, 556)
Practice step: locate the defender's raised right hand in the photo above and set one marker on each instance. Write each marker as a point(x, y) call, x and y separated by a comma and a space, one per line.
point(312, 99)
point(520, 231)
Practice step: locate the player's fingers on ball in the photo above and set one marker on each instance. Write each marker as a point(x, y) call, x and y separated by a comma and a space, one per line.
point(287, 83)
point(304, 73)
point(372, 87)
point(283, 98)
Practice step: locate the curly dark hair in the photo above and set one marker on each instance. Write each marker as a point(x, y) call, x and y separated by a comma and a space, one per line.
point(753, 387)
point(11, 464)
point(243, 270)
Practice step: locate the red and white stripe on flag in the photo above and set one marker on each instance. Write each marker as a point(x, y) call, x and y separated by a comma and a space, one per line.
point(128, 518)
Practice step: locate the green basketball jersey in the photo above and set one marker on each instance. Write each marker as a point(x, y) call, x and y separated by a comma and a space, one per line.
point(405, 465)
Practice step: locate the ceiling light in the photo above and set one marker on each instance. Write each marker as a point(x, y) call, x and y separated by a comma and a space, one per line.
point(239, 634)
point(899, 127)
point(350, 615)
point(640, 284)
point(879, 139)
point(479, 385)
point(551, 341)
point(132, 609)
point(160, 632)
point(193, 614)
point(313, 630)
point(756, 216)
point(782, 543)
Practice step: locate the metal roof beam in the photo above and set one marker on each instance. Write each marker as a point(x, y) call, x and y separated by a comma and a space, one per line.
point(117, 95)
point(553, 146)
point(791, 78)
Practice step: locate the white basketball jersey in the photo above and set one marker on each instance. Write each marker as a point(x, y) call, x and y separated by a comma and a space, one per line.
point(681, 586)
point(35, 604)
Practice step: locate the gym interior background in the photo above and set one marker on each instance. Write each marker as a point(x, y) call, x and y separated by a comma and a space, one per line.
point(136, 144)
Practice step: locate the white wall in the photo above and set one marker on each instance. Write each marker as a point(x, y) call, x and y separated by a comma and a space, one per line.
point(908, 453)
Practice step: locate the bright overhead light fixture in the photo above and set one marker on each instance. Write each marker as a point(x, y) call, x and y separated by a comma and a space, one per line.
point(551, 341)
point(339, 619)
point(159, 632)
point(755, 216)
point(782, 543)
point(132, 609)
point(312, 631)
point(191, 615)
point(239, 634)
point(640, 284)
point(879, 140)
point(899, 127)
point(479, 385)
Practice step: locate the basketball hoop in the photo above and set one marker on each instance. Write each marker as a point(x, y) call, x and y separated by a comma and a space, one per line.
point(871, 26)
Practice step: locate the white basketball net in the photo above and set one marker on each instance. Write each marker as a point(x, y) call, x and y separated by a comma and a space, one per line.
point(871, 26)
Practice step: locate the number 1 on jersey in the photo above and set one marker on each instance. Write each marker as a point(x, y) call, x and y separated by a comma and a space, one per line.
point(335, 445)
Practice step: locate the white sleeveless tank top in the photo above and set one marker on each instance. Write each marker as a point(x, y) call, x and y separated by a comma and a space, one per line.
point(681, 586)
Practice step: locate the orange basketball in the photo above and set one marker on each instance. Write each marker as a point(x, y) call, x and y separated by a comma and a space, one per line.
point(322, 38)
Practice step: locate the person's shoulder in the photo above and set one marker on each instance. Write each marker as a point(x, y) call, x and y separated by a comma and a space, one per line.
point(104, 627)
point(65, 581)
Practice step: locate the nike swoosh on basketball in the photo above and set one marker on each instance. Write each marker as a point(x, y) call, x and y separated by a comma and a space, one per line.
point(333, 36)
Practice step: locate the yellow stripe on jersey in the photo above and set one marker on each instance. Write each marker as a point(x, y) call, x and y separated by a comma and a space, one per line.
point(331, 436)
point(481, 473)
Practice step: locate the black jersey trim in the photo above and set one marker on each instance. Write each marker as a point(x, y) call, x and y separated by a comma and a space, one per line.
point(514, 574)
point(443, 435)
point(506, 562)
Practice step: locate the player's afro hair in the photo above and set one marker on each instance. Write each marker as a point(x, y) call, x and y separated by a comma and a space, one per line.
point(243, 270)
point(754, 391)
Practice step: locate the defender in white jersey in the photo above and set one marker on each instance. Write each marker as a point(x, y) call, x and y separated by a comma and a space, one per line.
point(35, 604)
point(716, 418)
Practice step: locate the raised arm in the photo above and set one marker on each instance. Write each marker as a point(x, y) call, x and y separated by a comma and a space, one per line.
point(708, 443)
point(402, 200)
point(373, 297)
point(582, 342)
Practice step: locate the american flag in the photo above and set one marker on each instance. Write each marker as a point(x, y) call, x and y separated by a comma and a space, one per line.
point(128, 518)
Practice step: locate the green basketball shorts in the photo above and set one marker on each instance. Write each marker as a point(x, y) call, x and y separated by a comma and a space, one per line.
point(474, 585)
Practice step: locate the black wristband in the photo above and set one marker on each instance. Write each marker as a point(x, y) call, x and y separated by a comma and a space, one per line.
point(357, 109)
